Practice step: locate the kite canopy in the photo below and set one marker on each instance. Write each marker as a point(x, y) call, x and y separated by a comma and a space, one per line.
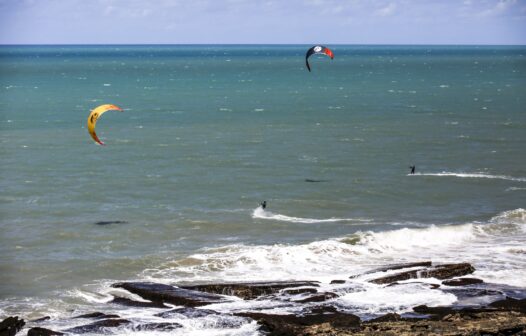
point(318, 50)
point(95, 114)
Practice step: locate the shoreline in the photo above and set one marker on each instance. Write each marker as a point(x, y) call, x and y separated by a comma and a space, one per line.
point(480, 309)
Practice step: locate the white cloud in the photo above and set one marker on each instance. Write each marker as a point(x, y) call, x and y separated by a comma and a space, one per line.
point(387, 10)
point(501, 7)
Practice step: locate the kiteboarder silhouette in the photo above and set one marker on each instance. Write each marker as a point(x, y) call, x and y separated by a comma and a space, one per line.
point(263, 204)
point(412, 169)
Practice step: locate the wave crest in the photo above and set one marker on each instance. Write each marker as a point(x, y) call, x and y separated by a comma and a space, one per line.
point(472, 175)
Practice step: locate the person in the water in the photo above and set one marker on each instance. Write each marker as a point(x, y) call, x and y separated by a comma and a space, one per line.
point(412, 169)
point(263, 204)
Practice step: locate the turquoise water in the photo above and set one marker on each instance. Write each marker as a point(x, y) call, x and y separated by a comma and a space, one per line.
point(208, 132)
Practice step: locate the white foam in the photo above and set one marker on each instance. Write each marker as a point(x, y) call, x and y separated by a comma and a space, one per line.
point(399, 299)
point(259, 212)
point(472, 175)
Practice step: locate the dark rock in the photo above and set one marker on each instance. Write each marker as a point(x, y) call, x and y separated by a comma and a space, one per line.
point(11, 325)
point(163, 326)
point(391, 317)
point(296, 291)
point(440, 311)
point(249, 290)
point(395, 267)
point(98, 327)
point(42, 332)
point(97, 315)
point(164, 293)
point(461, 282)
point(319, 298)
point(133, 303)
point(295, 325)
point(430, 285)
point(337, 282)
point(188, 312)
point(444, 271)
point(42, 319)
point(111, 222)
point(510, 304)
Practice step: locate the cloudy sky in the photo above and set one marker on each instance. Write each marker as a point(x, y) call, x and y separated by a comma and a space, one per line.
point(263, 21)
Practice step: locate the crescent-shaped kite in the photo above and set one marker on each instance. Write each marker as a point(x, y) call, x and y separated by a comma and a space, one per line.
point(94, 115)
point(317, 50)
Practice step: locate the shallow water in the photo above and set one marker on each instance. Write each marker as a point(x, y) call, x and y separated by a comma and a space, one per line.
point(208, 132)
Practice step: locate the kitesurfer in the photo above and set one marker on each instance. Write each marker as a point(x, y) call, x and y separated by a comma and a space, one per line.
point(412, 169)
point(263, 204)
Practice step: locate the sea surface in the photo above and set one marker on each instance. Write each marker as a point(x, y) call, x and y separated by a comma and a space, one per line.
point(208, 132)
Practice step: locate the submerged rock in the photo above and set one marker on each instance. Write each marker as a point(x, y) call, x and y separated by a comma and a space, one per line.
point(11, 325)
point(164, 293)
point(42, 332)
point(162, 326)
point(98, 327)
point(97, 315)
point(462, 282)
point(188, 312)
point(318, 297)
point(41, 319)
point(444, 271)
point(111, 222)
point(133, 303)
point(395, 267)
point(250, 290)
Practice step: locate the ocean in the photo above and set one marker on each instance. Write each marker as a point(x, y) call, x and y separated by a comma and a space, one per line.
point(210, 131)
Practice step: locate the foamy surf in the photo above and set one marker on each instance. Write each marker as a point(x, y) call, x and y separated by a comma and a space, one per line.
point(472, 175)
point(259, 212)
point(488, 246)
point(494, 247)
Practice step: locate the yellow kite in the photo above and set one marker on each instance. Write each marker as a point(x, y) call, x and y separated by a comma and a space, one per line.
point(94, 115)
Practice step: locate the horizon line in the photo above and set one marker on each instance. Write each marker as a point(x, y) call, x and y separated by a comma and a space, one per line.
point(256, 44)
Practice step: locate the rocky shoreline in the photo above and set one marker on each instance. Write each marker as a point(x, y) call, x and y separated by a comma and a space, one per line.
point(481, 308)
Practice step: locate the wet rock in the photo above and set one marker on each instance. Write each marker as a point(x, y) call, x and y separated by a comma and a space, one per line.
point(162, 326)
point(510, 304)
point(249, 290)
point(11, 325)
point(333, 282)
point(295, 325)
point(461, 282)
point(42, 332)
point(391, 317)
point(42, 319)
point(98, 327)
point(430, 285)
point(444, 271)
point(111, 222)
point(319, 297)
point(161, 293)
point(188, 312)
point(133, 303)
point(395, 267)
point(297, 291)
point(97, 315)
point(474, 324)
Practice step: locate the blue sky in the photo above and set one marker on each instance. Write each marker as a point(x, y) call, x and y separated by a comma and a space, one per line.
point(263, 21)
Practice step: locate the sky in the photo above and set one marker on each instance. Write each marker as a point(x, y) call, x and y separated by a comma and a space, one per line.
point(262, 22)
